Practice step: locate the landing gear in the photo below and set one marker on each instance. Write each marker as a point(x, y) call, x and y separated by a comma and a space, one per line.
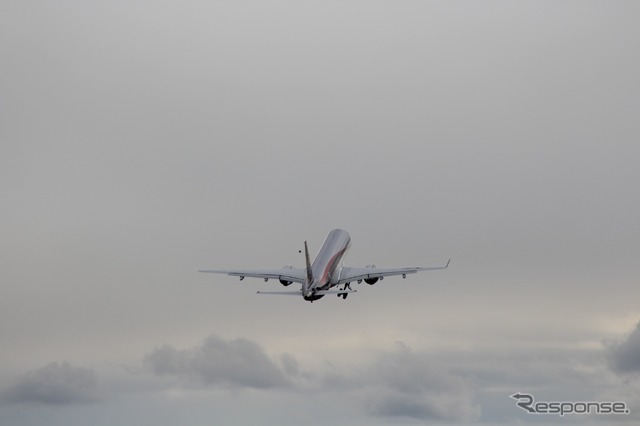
point(347, 286)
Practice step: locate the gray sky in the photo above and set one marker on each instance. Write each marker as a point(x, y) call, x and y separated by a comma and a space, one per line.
point(142, 141)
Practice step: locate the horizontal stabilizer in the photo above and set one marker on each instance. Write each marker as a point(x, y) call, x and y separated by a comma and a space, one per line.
point(299, 293)
point(323, 292)
point(282, 293)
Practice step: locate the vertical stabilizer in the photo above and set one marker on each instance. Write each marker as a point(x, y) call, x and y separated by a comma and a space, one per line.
point(306, 256)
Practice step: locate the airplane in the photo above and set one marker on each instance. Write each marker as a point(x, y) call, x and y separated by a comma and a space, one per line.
point(326, 272)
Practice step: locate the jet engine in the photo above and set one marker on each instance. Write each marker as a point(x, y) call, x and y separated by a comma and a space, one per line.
point(371, 281)
point(284, 282)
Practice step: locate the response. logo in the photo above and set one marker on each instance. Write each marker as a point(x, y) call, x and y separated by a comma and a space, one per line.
point(562, 408)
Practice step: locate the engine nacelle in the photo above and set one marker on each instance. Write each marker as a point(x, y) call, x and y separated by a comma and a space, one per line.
point(284, 282)
point(371, 281)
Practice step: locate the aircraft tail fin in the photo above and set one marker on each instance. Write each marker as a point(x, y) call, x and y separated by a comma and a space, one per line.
point(306, 256)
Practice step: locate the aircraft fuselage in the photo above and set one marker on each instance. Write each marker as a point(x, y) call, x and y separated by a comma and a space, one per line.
point(327, 265)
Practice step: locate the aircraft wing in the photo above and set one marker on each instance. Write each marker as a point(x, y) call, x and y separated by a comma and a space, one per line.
point(353, 274)
point(295, 275)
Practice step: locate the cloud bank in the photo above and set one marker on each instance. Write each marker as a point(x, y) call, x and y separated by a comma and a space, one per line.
point(624, 356)
point(395, 384)
point(408, 384)
point(54, 384)
point(220, 362)
point(401, 384)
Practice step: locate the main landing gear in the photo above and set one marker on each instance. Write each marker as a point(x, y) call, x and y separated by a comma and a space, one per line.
point(347, 286)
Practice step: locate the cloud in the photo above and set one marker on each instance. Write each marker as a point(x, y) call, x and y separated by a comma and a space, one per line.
point(220, 362)
point(408, 384)
point(399, 383)
point(624, 356)
point(55, 384)
point(405, 384)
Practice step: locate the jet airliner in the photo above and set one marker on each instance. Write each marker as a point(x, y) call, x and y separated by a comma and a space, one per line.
point(319, 278)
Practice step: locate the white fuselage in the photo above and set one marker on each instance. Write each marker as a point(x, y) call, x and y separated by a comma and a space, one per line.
point(327, 265)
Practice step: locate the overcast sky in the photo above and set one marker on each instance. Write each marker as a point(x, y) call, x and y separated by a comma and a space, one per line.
point(144, 140)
